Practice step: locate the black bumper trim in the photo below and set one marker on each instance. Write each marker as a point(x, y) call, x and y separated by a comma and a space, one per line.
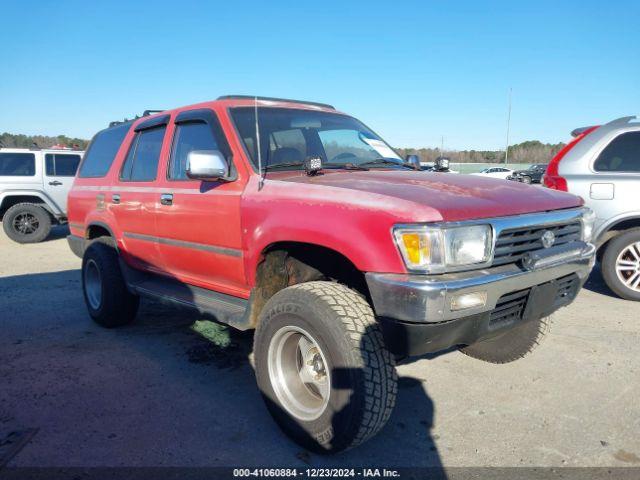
point(411, 339)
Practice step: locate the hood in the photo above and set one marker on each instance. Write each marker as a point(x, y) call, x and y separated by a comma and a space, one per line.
point(456, 197)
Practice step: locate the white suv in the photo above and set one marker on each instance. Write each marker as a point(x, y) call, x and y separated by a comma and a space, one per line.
point(33, 190)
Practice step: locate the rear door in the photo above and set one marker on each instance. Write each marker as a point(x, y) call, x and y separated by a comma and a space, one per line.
point(59, 171)
point(134, 196)
point(615, 188)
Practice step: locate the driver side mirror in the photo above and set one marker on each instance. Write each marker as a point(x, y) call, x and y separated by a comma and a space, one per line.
point(206, 165)
point(414, 161)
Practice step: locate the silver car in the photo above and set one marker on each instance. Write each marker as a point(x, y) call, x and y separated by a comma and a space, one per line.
point(602, 165)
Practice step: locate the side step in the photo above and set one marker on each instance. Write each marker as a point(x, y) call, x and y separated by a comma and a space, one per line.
point(220, 307)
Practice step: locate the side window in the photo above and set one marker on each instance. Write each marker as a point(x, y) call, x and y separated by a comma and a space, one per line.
point(141, 164)
point(102, 151)
point(187, 138)
point(17, 164)
point(621, 155)
point(57, 165)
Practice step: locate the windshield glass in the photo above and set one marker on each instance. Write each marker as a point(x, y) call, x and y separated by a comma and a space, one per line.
point(289, 136)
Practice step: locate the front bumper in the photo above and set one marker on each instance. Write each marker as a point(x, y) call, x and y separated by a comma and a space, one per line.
point(418, 306)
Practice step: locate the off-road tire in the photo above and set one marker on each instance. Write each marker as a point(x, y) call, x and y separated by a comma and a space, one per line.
point(117, 305)
point(363, 376)
point(511, 345)
point(527, 179)
point(32, 209)
point(608, 264)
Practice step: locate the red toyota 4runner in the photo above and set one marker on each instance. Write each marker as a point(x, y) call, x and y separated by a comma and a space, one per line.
point(298, 221)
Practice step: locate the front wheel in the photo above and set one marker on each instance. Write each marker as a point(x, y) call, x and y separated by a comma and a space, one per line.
point(621, 265)
point(511, 345)
point(322, 367)
point(526, 179)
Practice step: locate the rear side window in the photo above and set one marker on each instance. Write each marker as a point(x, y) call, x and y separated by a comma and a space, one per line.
point(17, 164)
point(189, 137)
point(621, 155)
point(57, 165)
point(102, 151)
point(141, 164)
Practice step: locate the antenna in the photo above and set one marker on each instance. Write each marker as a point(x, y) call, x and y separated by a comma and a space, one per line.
point(506, 150)
point(261, 182)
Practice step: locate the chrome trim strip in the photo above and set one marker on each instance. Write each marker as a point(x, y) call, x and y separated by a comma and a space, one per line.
point(184, 244)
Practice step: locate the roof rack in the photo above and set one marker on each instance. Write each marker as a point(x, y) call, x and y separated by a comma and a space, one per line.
point(274, 99)
point(146, 113)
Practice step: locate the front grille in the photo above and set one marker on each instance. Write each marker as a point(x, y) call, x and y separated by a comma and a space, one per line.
point(512, 244)
point(509, 308)
point(567, 287)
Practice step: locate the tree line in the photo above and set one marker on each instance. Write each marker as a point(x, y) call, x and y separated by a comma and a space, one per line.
point(12, 140)
point(531, 151)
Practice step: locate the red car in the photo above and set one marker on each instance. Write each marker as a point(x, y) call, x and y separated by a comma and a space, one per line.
point(300, 222)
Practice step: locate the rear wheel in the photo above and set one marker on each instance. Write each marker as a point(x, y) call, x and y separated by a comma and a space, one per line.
point(322, 367)
point(106, 295)
point(511, 345)
point(26, 223)
point(621, 265)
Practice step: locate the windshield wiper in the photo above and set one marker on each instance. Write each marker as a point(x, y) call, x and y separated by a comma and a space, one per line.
point(384, 161)
point(283, 165)
point(344, 166)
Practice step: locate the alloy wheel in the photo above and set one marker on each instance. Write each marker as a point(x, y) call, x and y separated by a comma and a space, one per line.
point(299, 373)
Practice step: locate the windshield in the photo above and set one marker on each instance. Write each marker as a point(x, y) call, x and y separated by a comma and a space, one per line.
point(289, 136)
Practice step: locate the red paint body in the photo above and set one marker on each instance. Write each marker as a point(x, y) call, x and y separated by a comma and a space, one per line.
point(351, 212)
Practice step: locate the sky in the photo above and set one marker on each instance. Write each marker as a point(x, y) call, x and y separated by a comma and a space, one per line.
point(413, 71)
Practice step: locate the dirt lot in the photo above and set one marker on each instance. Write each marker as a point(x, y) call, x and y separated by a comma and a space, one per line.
point(172, 391)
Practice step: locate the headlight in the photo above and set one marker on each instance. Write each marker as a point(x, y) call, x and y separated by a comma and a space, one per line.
point(437, 249)
point(588, 221)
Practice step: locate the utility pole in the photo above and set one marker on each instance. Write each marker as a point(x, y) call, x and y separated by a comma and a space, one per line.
point(506, 150)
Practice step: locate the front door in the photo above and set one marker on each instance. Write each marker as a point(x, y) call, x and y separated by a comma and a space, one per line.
point(59, 171)
point(198, 223)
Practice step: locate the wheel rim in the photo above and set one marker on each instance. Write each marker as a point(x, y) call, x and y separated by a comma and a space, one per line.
point(93, 284)
point(628, 266)
point(298, 373)
point(26, 223)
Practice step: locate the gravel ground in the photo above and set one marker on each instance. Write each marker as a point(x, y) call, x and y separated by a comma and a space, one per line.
point(171, 390)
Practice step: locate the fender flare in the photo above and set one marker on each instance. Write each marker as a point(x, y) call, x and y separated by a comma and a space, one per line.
point(601, 236)
point(48, 202)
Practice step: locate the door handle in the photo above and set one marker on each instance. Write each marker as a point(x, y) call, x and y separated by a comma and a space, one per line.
point(115, 198)
point(55, 183)
point(166, 199)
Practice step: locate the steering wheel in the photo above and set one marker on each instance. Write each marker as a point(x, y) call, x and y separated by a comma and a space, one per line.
point(343, 156)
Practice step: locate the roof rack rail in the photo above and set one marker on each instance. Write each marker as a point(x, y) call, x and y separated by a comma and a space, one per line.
point(274, 99)
point(146, 113)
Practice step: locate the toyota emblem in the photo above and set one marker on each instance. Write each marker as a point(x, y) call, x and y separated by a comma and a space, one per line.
point(548, 239)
